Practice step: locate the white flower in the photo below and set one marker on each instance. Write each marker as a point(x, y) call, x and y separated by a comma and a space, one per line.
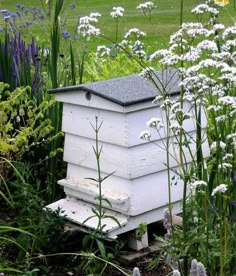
point(159, 53)
point(221, 144)
point(146, 8)
point(85, 27)
point(231, 136)
point(175, 128)
point(103, 51)
point(222, 188)
point(134, 32)
point(157, 99)
point(147, 73)
point(225, 166)
point(221, 118)
point(145, 135)
point(94, 15)
point(155, 123)
point(227, 156)
point(207, 45)
point(203, 8)
point(198, 183)
point(117, 12)
point(227, 100)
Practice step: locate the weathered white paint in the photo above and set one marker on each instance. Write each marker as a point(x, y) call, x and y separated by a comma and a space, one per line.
point(80, 98)
point(125, 162)
point(88, 190)
point(118, 128)
point(77, 211)
point(140, 195)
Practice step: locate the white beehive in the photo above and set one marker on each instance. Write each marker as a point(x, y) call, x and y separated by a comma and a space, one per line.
point(138, 189)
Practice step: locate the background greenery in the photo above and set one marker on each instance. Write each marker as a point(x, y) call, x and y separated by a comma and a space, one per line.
point(164, 21)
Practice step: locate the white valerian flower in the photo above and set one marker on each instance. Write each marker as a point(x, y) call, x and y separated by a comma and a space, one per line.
point(117, 12)
point(146, 8)
point(207, 45)
point(175, 128)
point(159, 54)
point(230, 31)
point(198, 183)
point(155, 123)
point(85, 28)
point(214, 108)
point(157, 99)
point(221, 118)
point(231, 136)
point(94, 15)
point(225, 166)
point(203, 8)
point(222, 188)
point(227, 156)
point(227, 100)
point(147, 73)
point(221, 144)
point(134, 32)
point(103, 51)
point(145, 135)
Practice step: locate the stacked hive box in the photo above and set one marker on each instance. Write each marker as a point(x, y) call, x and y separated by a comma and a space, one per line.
point(138, 188)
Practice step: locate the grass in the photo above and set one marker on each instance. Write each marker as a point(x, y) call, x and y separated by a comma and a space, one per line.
point(164, 21)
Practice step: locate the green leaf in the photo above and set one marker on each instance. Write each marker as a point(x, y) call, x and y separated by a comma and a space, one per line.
point(102, 248)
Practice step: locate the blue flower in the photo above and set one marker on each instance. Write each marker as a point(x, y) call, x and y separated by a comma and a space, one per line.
point(20, 6)
point(6, 14)
point(66, 34)
point(72, 5)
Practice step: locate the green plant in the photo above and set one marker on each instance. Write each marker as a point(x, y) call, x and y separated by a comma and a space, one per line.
point(207, 90)
point(94, 242)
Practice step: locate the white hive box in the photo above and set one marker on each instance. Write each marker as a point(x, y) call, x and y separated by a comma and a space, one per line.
point(138, 189)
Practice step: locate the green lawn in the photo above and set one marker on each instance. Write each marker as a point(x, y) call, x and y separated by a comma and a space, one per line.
point(164, 21)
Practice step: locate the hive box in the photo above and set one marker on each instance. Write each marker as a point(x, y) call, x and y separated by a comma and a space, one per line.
point(138, 187)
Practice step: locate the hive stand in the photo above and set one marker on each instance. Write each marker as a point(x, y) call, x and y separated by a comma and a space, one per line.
point(138, 189)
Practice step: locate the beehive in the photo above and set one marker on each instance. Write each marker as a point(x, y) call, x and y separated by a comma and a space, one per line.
point(138, 188)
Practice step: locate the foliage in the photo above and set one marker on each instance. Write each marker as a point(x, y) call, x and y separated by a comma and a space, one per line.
point(26, 134)
point(204, 55)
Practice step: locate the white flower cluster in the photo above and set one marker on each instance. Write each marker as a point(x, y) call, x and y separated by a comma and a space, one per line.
point(198, 183)
point(203, 8)
point(85, 28)
point(221, 189)
point(147, 73)
point(155, 123)
point(145, 135)
point(146, 8)
point(218, 144)
point(135, 32)
point(117, 12)
point(132, 42)
point(103, 51)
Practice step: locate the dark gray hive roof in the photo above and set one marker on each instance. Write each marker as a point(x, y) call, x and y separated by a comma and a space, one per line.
point(131, 89)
